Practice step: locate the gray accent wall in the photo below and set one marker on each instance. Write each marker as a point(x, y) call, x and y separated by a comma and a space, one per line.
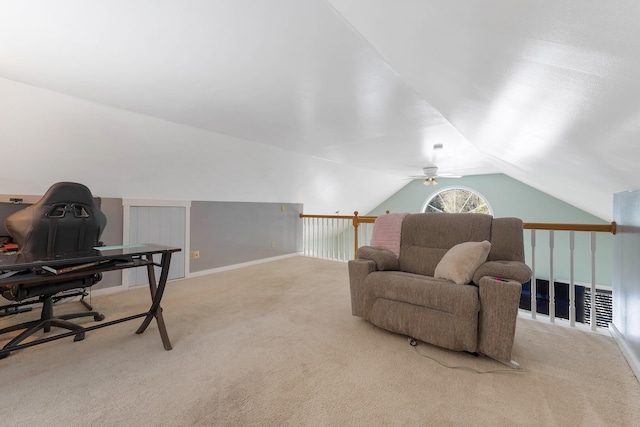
point(225, 233)
point(511, 198)
point(228, 233)
point(626, 278)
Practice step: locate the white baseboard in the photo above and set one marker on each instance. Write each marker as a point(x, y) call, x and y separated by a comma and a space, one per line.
point(120, 288)
point(628, 354)
point(241, 265)
point(564, 323)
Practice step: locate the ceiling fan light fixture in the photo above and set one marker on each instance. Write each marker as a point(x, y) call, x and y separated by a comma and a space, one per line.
point(430, 181)
point(426, 182)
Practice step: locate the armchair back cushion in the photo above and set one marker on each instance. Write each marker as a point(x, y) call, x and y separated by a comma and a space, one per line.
point(507, 240)
point(425, 242)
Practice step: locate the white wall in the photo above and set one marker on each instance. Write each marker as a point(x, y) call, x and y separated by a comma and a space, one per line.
point(626, 275)
point(48, 137)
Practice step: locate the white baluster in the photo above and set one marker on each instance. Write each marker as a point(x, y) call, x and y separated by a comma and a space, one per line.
point(316, 242)
point(365, 236)
point(572, 288)
point(552, 288)
point(320, 245)
point(340, 238)
point(533, 287)
point(345, 240)
point(594, 320)
point(338, 234)
point(332, 251)
point(324, 238)
point(344, 233)
point(305, 238)
point(310, 237)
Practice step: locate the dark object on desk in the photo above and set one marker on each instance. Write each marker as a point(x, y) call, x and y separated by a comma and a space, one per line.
point(6, 210)
point(65, 220)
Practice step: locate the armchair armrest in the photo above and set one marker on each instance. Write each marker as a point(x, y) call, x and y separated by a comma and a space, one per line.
point(499, 303)
point(383, 258)
point(511, 270)
point(359, 269)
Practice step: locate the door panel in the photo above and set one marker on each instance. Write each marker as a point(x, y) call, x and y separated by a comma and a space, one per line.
point(164, 225)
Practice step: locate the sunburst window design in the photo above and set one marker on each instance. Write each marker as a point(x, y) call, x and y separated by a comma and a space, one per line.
point(457, 200)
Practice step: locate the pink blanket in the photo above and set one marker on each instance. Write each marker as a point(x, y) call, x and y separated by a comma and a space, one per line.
point(386, 232)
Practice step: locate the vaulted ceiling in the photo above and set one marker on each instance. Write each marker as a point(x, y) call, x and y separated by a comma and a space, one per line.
point(329, 103)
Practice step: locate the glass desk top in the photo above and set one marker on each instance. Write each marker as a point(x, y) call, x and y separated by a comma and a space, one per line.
point(12, 261)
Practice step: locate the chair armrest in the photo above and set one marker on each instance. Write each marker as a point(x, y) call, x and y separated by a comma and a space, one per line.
point(510, 270)
point(499, 303)
point(359, 269)
point(383, 258)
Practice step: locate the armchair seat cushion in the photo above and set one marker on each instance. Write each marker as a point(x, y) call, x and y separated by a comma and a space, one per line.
point(437, 294)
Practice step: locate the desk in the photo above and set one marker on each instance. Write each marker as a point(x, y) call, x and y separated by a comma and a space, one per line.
point(30, 272)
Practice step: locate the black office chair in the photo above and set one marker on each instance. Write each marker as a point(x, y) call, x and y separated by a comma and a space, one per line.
point(65, 220)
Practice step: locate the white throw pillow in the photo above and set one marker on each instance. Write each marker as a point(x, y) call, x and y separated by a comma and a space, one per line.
point(462, 260)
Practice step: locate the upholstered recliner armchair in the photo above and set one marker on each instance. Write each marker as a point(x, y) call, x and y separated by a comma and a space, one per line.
point(452, 280)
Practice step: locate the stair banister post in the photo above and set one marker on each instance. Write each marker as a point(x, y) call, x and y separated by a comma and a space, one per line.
point(356, 223)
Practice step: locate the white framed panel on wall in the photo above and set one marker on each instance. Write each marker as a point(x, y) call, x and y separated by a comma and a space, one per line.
point(164, 222)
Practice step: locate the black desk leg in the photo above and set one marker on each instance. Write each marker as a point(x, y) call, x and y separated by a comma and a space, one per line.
point(156, 296)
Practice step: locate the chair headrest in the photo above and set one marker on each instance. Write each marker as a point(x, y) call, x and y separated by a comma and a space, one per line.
point(66, 219)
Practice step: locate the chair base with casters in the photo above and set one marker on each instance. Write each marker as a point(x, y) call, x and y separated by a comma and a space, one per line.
point(28, 305)
point(48, 319)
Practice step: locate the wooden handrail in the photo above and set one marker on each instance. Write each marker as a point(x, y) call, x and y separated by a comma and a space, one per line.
point(609, 228)
point(372, 218)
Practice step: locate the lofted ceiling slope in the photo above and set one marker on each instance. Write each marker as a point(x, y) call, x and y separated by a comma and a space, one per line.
point(328, 103)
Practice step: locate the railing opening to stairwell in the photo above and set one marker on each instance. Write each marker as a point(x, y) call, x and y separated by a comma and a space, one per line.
point(335, 237)
point(586, 303)
point(568, 302)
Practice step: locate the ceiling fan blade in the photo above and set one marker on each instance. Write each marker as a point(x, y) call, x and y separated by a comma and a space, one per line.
point(432, 172)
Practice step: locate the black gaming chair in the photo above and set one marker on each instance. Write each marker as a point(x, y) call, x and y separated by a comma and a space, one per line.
point(65, 220)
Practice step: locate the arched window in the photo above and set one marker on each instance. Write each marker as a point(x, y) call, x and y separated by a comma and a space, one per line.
point(457, 199)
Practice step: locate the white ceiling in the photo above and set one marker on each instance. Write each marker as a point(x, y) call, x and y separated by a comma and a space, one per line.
point(328, 103)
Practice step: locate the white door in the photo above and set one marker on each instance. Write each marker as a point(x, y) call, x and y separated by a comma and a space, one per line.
point(164, 225)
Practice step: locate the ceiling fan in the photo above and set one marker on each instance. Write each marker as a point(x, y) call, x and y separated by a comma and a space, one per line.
point(430, 175)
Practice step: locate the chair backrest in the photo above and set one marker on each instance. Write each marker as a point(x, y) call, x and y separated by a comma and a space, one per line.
point(65, 220)
point(507, 240)
point(426, 237)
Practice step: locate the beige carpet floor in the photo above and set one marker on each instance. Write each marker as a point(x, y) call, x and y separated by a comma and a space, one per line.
point(275, 345)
